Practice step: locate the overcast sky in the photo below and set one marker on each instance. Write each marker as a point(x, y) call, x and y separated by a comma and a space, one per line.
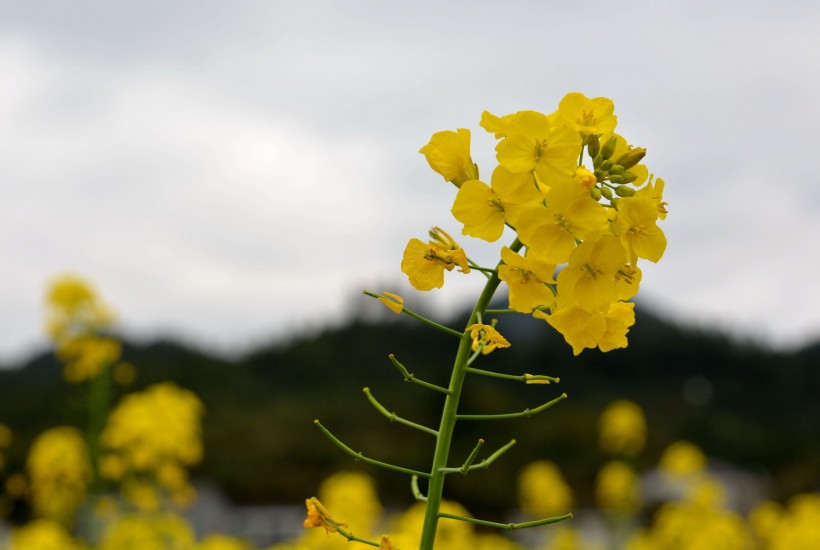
point(230, 172)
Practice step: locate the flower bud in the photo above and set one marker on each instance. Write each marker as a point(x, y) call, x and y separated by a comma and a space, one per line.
point(631, 157)
point(600, 175)
point(628, 177)
point(615, 179)
point(624, 191)
point(593, 145)
point(607, 192)
point(606, 165)
point(616, 170)
point(609, 147)
point(597, 160)
point(595, 193)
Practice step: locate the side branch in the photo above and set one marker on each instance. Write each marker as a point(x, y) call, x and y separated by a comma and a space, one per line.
point(408, 377)
point(393, 417)
point(414, 486)
point(418, 317)
point(528, 378)
point(507, 526)
point(526, 412)
point(481, 465)
point(359, 456)
point(352, 538)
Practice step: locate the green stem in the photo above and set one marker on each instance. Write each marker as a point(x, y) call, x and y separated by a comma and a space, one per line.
point(424, 320)
point(508, 526)
point(360, 456)
point(414, 487)
point(483, 464)
point(499, 311)
point(351, 537)
point(520, 378)
point(99, 397)
point(467, 463)
point(393, 417)
point(408, 377)
point(448, 415)
point(525, 413)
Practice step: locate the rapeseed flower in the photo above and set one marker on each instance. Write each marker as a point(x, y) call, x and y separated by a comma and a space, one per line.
point(637, 227)
point(486, 338)
point(448, 153)
point(588, 115)
point(622, 428)
point(589, 279)
point(425, 263)
point(527, 280)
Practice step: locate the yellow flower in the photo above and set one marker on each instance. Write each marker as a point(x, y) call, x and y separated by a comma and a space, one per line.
point(222, 542)
point(582, 329)
point(617, 489)
point(681, 459)
point(42, 534)
point(385, 544)
point(6, 436)
point(589, 279)
point(551, 232)
point(654, 191)
point(86, 356)
point(619, 318)
point(393, 302)
point(487, 338)
point(318, 516)
point(148, 532)
point(588, 116)
point(448, 153)
point(485, 209)
point(74, 308)
point(534, 143)
point(424, 264)
point(60, 471)
point(622, 428)
point(527, 280)
point(542, 490)
point(637, 227)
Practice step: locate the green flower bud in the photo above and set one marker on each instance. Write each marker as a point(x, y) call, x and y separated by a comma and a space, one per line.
point(609, 147)
point(595, 193)
point(631, 157)
point(600, 175)
point(624, 191)
point(593, 145)
point(606, 165)
point(597, 160)
point(614, 202)
point(629, 177)
point(616, 179)
point(607, 192)
point(616, 169)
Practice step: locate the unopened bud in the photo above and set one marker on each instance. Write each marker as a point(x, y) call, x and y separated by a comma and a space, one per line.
point(595, 193)
point(607, 192)
point(614, 202)
point(615, 179)
point(600, 175)
point(624, 191)
point(609, 147)
point(629, 177)
point(606, 165)
point(593, 145)
point(631, 157)
point(616, 169)
point(597, 160)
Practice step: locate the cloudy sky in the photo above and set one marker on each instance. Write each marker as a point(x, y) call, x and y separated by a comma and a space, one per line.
point(230, 172)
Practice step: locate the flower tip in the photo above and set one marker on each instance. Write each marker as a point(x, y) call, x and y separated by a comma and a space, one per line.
point(365, 389)
point(316, 421)
point(564, 395)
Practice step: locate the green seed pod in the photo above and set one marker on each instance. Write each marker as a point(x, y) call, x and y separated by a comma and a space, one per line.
point(595, 193)
point(607, 192)
point(624, 191)
point(593, 145)
point(606, 165)
point(609, 147)
point(629, 177)
point(616, 169)
point(631, 157)
point(616, 179)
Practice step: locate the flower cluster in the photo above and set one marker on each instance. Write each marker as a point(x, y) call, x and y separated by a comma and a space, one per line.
point(151, 438)
point(580, 203)
point(76, 321)
point(59, 472)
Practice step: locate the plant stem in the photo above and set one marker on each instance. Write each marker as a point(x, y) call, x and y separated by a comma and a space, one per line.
point(448, 415)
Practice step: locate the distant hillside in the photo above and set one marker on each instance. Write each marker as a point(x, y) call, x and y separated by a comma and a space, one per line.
point(757, 408)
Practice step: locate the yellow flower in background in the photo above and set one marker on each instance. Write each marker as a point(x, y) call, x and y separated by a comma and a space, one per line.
point(59, 471)
point(354, 493)
point(551, 232)
point(154, 434)
point(6, 436)
point(42, 534)
point(588, 115)
point(148, 532)
point(223, 542)
point(448, 153)
point(85, 356)
point(534, 143)
point(527, 280)
point(622, 428)
point(425, 263)
point(542, 491)
point(617, 489)
point(451, 534)
point(681, 459)
point(487, 338)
